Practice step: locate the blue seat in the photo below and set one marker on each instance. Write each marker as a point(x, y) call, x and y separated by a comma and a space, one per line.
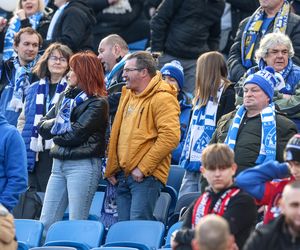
point(141, 234)
point(138, 45)
point(95, 209)
point(114, 248)
point(81, 234)
point(28, 233)
point(162, 206)
point(175, 177)
point(171, 230)
point(53, 248)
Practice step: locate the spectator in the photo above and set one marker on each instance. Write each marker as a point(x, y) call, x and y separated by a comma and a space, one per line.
point(16, 73)
point(72, 25)
point(258, 181)
point(214, 97)
point(183, 30)
point(276, 50)
point(122, 17)
point(213, 233)
point(255, 131)
point(145, 130)
point(13, 165)
point(51, 68)
point(284, 231)
point(113, 51)
point(182, 239)
point(29, 13)
point(7, 229)
point(77, 125)
point(271, 16)
point(222, 197)
point(172, 73)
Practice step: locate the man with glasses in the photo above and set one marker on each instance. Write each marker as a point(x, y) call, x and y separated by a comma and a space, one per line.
point(16, 75)
point(145, 131)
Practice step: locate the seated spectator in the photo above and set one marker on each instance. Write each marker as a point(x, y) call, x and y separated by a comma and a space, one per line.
point(265, 182)
point(276, 50)
point(51, 68)
point(13, 165)
point(284, 231)
point(16, 73)
point(222, 197)
point(71, 25)
point(214, 97)
point(213, 233)
point(122, 17)
point(7, 229)
point(27, 14)
point(172, 73)
point(256, 132)
point(271, 16)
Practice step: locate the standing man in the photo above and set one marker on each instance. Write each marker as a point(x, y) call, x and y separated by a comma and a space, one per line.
point(284, 231)
point(13, 165)
point(113, 51)
point(145, 131)
point(183, 30)
point(271, 16)
point(16, 75)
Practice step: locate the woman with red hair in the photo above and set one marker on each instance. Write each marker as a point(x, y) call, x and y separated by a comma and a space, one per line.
point(77, 125)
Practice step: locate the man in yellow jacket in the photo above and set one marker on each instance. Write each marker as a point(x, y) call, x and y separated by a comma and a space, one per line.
point(145, 131)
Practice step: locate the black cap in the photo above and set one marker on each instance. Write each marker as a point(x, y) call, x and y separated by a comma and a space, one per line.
point(292, 149)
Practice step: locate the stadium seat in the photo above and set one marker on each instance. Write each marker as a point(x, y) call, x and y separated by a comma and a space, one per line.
point(161, 210)
point(114, 248)
point(138, 45)
point(140, 234)
point(175, 177)
point(28, 233)
point(81, 234)
point(53, 248)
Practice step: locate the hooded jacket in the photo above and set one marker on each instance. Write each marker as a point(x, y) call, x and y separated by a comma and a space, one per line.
point(74, 27)
point(13, 164)
point(154, 133)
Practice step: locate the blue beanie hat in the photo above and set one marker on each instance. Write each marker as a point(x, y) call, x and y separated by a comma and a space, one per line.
point(175, 70)
point(265, 79)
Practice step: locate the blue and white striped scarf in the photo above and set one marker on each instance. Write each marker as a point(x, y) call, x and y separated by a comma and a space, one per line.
point(268, 132)
point(20, 84)
point(62, 122)
point(14, 27)
point(36, 143)
point(201, 129)
point(253, 27)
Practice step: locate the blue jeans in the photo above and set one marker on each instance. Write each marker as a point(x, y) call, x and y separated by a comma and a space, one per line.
point(191, 182)
point(136, 200)
point(72, 182)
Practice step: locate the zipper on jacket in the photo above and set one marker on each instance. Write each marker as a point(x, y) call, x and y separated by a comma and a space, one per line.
point(140, 118)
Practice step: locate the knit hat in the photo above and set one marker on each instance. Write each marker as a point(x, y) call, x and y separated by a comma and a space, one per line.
point(265, 79)
point(175, 70)
point(292, 149)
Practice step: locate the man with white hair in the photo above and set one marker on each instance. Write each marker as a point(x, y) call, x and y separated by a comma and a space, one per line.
point(271, 16)
point(276, 50)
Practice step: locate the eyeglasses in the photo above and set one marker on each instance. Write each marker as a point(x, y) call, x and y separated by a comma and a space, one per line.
point(133, 69)
point(60, 59)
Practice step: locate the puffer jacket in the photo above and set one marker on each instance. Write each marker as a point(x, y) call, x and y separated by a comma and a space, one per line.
point(156, 131)
point(88, 122)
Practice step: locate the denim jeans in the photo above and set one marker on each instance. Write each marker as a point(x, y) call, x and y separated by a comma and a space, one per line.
point(191, 182)
point(136, 200)
point(72, 182)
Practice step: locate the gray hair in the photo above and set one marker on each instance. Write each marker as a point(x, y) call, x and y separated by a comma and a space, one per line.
point(270, 41)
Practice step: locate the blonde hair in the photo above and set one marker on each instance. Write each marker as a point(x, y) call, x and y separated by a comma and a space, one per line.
point(211, 72)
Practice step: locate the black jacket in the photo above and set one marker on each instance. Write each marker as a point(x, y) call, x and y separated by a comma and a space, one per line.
point(74, 27)
point(186, 29)
point(273, 236)
point(88, 121)
point(237, 70)
point(240, 213)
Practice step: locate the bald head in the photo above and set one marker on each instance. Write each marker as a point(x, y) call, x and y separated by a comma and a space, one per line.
point(212, 233)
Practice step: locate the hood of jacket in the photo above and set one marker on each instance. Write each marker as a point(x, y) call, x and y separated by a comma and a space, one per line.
point(2, 119)
point(82, 5)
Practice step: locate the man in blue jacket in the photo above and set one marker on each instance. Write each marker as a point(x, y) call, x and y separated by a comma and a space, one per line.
point(13, 164)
